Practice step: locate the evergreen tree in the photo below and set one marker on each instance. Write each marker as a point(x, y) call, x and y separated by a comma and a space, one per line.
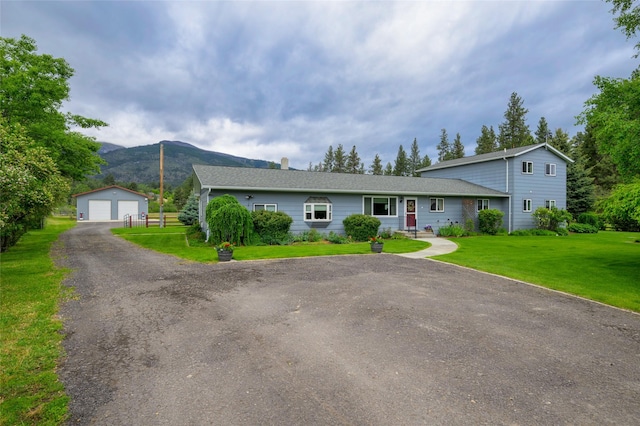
point(353, 162)
point(543, 134)
point(339, 160)
point(599, 166)
point(444, 148)
point(376, 166)
point(414, 158)
point(329, 159)
point(580, 188)
point(514, 131)
point(426, 161)
point(388, 170)
point(402, 163)
point(457, 149)
point(560, 141)
point(487, 141)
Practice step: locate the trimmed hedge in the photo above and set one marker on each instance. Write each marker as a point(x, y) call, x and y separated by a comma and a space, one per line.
point(272, 227)
point(582, 228)
point(361, 227)
point(490, 221)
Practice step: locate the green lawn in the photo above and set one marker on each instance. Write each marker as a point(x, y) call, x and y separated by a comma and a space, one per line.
point(30, 348)
point(603, 267)
point(173, 241)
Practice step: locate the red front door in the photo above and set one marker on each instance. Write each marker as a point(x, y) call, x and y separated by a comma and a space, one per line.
point(411, 212)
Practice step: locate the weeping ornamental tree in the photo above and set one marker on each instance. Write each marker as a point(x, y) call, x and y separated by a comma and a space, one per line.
point(228, 220)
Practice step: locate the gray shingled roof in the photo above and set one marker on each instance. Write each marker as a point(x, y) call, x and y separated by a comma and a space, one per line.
point(251, 179)
point(498, 155)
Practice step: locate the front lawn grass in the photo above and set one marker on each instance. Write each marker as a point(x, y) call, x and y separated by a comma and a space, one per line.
point(603, 266)
point(173, 241)
point(30, 392)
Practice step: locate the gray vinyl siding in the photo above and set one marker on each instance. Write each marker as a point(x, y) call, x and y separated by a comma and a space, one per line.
point(490, 174)
point(344, 205)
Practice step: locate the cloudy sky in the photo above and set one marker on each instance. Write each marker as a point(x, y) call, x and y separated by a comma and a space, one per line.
point(271, 79)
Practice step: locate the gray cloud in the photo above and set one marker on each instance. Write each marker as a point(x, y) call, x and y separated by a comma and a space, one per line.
point(272, 79)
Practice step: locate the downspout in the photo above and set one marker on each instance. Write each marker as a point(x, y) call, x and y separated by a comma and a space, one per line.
point(506, 162)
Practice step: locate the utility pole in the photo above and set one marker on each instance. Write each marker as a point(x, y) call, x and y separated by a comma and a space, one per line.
point(161, 185)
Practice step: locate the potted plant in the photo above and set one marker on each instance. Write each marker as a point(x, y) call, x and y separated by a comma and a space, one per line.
point(225, 251)
point(376, 244)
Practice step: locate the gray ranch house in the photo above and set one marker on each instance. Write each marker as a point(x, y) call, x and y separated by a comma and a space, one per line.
point(531, 176)
point(110, 203)
point(515, 181)
point(318, 200)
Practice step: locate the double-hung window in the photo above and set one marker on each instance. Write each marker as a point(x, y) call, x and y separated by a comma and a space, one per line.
point(437, 204)
point(380, 206)
point(267, 207)
point(483, 204)
point(549, 203)
point(550, 169)
point(527, 167)
point(526, 205)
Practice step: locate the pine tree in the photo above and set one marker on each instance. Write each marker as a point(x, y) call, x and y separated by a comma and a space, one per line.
point(487, 141)
point(414, 158)
point(457, 149)
point(402, 163)
point(376, 166)
point(339, 160)
point(444, 148)
point(388, 170)
point(353, 162)
point(328, 160)
point(599, 166)
point(426, 161)
point(514, 131)
point(580, 189)
point(543, 134)
point(560, 141)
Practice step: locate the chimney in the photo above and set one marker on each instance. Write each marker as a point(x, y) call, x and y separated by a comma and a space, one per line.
point(284, 163)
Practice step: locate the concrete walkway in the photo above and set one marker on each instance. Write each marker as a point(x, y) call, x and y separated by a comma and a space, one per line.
point(438, 246)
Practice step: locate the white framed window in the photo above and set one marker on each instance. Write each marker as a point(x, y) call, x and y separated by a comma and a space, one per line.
point(550, 169)
point(380, 206)
point(483, 204)
point(436, 204)
point(549, 203)
point(267, 207)
point(527, 167)
point(526, 205)
point(318, 209)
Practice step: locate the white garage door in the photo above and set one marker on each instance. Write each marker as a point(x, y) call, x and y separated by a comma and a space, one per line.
point(99, 210)
point(127, 208)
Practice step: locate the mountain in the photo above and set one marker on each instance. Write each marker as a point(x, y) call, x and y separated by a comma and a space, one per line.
point(141, 164)
point(107, 147)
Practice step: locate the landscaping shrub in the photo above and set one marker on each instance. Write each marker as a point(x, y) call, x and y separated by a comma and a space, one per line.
point(451, 230)
point(189, 214)
point(228, 220)
point(582, 228)
point(592, 219)
point(386, 233)
point(310, 236)
point(272, 227)
point(361, 227)
point(490, 221)
point(337, 238)
point(550, 219)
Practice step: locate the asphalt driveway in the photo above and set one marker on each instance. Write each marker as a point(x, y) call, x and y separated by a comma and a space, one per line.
point(362, 340)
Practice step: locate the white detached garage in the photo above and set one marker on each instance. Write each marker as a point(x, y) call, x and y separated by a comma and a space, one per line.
point(110, 203)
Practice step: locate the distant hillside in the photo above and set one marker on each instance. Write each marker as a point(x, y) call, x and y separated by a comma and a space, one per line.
point(107, 147)
point(141, 164)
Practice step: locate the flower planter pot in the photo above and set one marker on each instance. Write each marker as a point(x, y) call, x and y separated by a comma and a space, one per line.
point(224, 256)
point(376, 247)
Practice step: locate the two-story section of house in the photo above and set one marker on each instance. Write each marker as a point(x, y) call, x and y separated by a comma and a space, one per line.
point(533, 176)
